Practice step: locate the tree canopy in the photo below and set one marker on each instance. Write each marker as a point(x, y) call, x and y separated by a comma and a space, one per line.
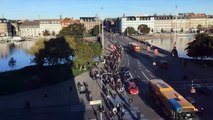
point(201, 47)
point(129, 31)
point(143, 29)
point(52, 52)
point(95, 30)
point(83, 55)
point(76, 30)
point(46, 33)
point(96, 48)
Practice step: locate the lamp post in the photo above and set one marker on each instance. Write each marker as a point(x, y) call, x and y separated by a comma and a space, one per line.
point(102, 40)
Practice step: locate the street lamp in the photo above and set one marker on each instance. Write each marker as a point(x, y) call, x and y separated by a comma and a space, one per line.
point(102, 40)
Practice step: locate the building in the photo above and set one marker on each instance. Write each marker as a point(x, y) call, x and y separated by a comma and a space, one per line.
point(53, 26)
point(30, 28)
point(167, 23)
point(5, 27)
point(68, 21)
point(135, 21)
point(90, 22)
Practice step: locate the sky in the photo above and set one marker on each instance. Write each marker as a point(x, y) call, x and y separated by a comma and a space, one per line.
point(35, 9)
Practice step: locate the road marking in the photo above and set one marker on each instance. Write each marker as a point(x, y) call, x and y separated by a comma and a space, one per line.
point(147, 70)
point(151, 75)
point(145, 75)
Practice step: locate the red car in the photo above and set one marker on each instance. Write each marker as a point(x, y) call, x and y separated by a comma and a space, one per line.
point(133, 89)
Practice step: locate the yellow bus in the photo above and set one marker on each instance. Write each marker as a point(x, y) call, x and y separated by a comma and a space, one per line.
point(172, 104)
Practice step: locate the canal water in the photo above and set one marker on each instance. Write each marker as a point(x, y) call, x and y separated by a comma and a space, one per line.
point(17, 50)
point(180, 42)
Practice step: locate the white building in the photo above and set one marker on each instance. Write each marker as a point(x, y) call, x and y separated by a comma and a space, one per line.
point(135, 21)
point(30, 28)
point(37, 27)
point(51, 25)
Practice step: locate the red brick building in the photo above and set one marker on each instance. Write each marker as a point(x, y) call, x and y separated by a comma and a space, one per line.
point(68, 21)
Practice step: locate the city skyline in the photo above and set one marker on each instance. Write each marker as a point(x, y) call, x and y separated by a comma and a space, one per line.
point(17, 9)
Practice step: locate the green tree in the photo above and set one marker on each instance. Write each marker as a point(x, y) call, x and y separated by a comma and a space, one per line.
point(96, 48)
point(162, 31)
point(76, 30)
point(129, 31)
point(53, 33)
point(83, 55)
point(181, 30)
point(12, 62)
point(143, 29)
point(201, 47)
point(53, 52)
point(95, 30)
point(46, 33)
point(37, 46)
point(172, 30)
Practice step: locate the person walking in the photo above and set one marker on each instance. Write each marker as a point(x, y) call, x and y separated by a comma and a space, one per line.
point(114, 110)
point(130, 101)
point(138, 115)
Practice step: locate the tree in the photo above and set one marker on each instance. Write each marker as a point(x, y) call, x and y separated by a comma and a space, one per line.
point(95, 30)
point(53, 52)
point(12, 62)
point(162, 31)
point(143, 29)
point(181, 30)
point(201, 47)
point(129, 31)
point(172, 30)
point(76, 30)
point(96, 48)
point(83, 55)
point(152, 30)
point(53, 33)
point(46, 33)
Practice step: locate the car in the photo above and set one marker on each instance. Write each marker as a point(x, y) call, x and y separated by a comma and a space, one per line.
point(205, 90)
point(190, 99)
point(133, 89)
point(163, 64)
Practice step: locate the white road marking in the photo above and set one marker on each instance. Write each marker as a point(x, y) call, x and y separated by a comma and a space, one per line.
point(145, 75)
point(151, 75)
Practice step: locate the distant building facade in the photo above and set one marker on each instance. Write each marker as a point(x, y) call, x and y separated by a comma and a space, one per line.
point(5, 27)
point(90, 22)
point(30, 28)
point(68, 21)
point(135, 21)
point(167, 23)
point(53, 26)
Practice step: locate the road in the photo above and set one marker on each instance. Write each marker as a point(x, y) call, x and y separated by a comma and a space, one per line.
point(142, 70)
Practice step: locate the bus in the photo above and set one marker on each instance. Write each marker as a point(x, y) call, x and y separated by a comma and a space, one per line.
point(173, 105)
point(135, 47)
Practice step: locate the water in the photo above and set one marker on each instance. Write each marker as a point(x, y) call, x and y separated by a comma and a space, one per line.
point(17, 50)
point(167, 44)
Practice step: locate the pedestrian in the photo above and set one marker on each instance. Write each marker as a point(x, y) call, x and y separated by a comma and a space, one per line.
point(138, 115)
point(130, 101)
point(118, 108)
point(79, 86)
point(114, 110)
point(110, 115)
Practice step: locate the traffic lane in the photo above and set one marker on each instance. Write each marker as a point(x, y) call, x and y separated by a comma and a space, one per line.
point(143, 99)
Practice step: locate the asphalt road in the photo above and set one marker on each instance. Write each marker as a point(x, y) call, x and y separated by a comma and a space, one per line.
point(142, 70)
